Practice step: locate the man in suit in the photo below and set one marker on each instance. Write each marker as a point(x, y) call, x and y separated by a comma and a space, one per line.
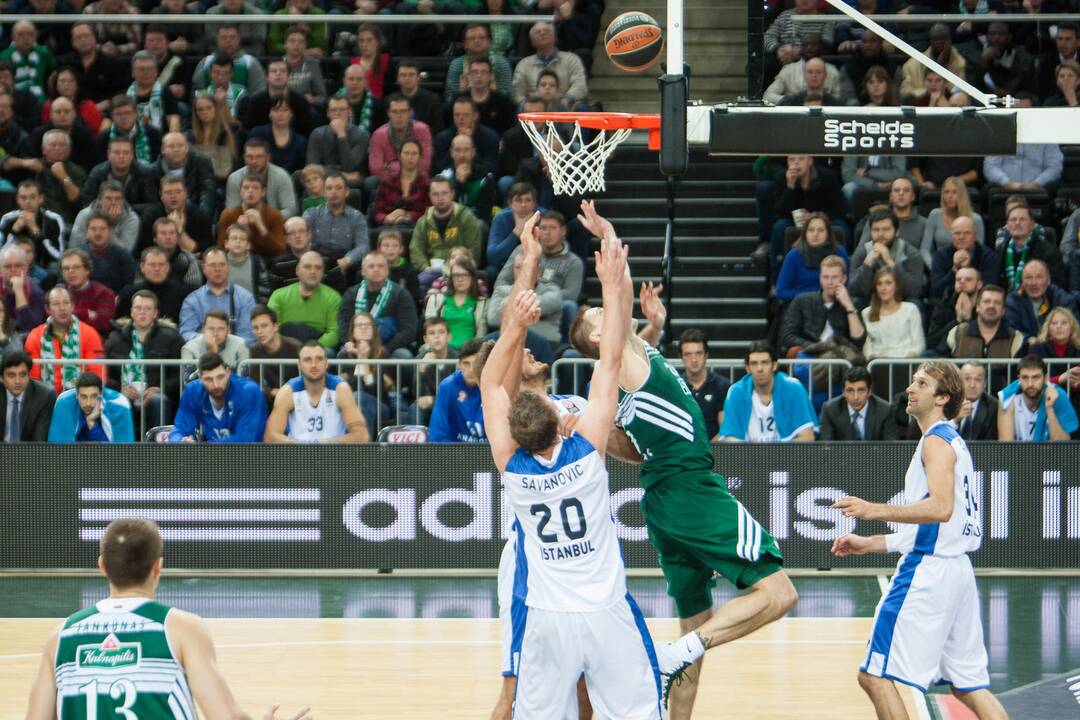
point(978, 415)
point(858, 414)
point(26, 405)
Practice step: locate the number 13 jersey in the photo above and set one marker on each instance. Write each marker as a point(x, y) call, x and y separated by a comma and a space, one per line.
point(568, 556)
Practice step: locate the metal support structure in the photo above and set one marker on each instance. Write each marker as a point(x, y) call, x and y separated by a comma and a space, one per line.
point(667, 265)
point(166, 19)
point(755, 49)
point(931, 64)
point(1009, 18)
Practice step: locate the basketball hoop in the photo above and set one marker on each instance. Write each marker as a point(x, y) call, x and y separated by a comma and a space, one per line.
point(577, 166)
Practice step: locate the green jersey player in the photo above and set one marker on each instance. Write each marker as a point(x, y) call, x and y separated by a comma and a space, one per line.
point(129, 656)
point(698, 528)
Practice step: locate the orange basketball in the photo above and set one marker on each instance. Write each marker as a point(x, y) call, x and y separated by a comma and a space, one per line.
point(633, 41)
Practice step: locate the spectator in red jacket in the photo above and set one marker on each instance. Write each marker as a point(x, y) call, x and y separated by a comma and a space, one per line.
point(63, 337)
point(403, 197)
point(94, 302)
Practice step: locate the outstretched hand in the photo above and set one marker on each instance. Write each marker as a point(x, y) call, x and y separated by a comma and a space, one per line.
point(594, 222)
point(526, 310)
point(611, 261)
point(530, 239)
point(850, 545)
point(652, 306)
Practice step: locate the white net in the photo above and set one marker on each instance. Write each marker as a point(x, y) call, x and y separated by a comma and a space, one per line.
point(576, 167)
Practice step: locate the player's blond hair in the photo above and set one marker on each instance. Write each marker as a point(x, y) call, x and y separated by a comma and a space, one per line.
point(949, 382)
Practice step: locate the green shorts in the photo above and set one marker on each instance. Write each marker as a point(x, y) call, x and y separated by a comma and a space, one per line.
point(699, 528)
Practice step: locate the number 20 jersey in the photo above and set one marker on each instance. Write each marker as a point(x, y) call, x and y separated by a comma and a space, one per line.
point(568, 557)
point(962, 533)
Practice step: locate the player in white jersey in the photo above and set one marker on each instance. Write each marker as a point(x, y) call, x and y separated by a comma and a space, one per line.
point(316, 407)
point(571, 611)
point(927, 627)
point(129, 656)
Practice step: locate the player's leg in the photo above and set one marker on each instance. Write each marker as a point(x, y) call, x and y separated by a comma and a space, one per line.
point(689, 584)
point(504, 706)
point(548, 667)
point(722, 536)
point(620, 664)
point(683, 693)
point(885, 697)
point(768, 600)
point(505, 590)
point(964, 660)
point(910, 628)
point(584, 706)
point(982, 703)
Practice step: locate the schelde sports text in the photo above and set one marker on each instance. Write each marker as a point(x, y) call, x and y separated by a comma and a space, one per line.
point(874, 135)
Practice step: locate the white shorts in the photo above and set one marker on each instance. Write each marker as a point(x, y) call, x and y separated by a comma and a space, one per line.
point(612, 647)
point(927, 627)
point(507, 566)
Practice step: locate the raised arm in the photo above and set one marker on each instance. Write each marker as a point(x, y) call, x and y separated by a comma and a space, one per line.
point(652, 307)
point(596, 421)
point(525, 277)
point(496, 401)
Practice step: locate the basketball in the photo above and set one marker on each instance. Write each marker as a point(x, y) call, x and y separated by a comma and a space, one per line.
point(633, 41)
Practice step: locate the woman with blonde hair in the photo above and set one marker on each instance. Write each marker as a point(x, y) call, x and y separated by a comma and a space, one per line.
point(1059, 340)
point(955, 202)
point(214, 136)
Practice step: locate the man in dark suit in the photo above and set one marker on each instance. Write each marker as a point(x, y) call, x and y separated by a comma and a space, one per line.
point(33, 401)
point(858, 414)
point(978, 415)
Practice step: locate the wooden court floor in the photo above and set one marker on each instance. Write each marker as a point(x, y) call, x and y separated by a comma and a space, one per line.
point(424, 669)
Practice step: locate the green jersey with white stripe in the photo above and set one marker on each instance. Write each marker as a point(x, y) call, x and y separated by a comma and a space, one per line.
point(664, 422)
point(113, 660)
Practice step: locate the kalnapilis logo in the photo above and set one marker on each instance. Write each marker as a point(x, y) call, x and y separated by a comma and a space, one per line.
point(859, 135)
point(111, 654)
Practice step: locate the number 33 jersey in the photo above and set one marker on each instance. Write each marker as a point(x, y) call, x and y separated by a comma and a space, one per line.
point(568, 556)
point(962, 533)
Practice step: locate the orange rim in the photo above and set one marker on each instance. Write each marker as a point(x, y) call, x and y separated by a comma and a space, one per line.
point(598, 120)
point(604, 121)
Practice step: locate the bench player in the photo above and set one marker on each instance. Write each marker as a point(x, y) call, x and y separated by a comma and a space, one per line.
point(927, 626)
point(129, 656)
point(571, 612)
point(317, 406)
point(696, 525)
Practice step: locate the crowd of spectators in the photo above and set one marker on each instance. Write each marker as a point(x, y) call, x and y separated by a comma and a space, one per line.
point(901, 257)
point(217, 192)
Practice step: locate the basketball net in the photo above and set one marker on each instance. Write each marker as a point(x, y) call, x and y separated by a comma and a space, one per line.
point(575, 166)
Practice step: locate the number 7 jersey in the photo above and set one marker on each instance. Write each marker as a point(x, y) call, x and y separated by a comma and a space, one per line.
point(568, 556)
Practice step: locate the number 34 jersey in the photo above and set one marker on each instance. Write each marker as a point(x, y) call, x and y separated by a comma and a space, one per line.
point(962, 533)
point(568, 556)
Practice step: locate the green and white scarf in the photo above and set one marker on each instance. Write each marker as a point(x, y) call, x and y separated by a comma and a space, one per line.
point(151, 112)
point(233, 95)
point(1013, 272)
point(380, 301)
point(70, 350)
point(367, 109)
point(136, 372)
point(140, 140)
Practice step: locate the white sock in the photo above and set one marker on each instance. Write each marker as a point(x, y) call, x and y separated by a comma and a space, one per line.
point(690, 646)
